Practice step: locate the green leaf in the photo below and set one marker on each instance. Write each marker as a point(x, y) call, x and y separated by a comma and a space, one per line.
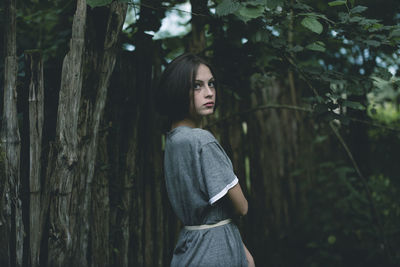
point(316, 46)
point(358, 9)
point(95, 3)
point(337, 3)
point(312, 24)
point(343, 17)
point(372, 43)
point(227, 7)
point(250, 12)
point(296, 49)
point(395, 33)
point(356, 19)
point(368, 22)
point(353, 105)
point(375, 27)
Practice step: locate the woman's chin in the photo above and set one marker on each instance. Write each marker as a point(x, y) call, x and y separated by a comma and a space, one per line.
point(207, 113)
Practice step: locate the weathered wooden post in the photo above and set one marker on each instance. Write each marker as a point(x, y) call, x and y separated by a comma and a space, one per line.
point(11, 225)
point(34, 64)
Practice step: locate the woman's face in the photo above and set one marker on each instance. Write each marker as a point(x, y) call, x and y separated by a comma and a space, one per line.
point(203, 92)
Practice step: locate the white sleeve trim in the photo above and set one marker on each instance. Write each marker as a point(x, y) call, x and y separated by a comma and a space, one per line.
point(223, 191)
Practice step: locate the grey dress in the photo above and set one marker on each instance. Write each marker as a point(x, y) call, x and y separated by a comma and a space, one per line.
point(198, 174)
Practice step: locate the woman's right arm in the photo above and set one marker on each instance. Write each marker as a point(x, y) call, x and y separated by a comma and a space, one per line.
point(238, 200)
point(241, 207)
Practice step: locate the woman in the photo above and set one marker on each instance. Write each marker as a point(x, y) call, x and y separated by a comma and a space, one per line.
point(201, 185)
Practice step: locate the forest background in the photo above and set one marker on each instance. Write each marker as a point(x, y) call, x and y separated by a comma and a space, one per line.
point(308, 112)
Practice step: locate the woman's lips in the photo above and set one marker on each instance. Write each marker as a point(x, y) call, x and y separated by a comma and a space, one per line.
point(210, 104)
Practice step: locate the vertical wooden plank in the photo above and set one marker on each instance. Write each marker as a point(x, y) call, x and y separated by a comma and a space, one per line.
point(33, 60)
point(63, 163)
point(102, 50)
point(100, 209)
point(85, 80)
point(159, 197)
point(11, 211)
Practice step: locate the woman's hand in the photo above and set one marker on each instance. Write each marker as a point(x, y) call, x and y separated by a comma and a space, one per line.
point(249, 258)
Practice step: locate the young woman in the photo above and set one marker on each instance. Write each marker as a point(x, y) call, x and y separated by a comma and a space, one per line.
point(202, 187)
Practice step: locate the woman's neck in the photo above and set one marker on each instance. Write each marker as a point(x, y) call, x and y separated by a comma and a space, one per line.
point(185, 122)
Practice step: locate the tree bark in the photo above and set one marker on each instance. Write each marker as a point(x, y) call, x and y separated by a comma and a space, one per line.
point(33, 59)
point(140, 221)
point(103, 59)
point(85, 78)
point(11, 224)
point(272, 159)
point(63, 159)
point(100, 210)
point(122, 152)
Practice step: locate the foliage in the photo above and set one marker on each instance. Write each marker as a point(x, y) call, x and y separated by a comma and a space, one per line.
point(350, 32)
point(333, 49)
point(344, 231)
point(339, 52)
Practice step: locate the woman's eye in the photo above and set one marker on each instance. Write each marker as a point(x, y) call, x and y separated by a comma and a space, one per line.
point(211, 84)
point(197, 86)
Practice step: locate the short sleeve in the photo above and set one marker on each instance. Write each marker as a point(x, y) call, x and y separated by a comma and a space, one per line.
point(217, 171)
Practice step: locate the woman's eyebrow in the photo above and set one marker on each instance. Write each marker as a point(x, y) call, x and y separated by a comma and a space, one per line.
point(211, 79)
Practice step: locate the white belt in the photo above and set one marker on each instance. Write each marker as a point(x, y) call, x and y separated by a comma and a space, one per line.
point(207, 226)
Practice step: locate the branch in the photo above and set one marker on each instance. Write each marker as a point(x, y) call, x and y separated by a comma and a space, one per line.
point(298, 108)
point(263, 107)
point(363, 180)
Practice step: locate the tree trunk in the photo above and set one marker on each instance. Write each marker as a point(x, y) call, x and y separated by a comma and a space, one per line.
point(197, 42)
point(85, 78)
point(140, 219)
point(121, 159)
point(11, 225)
point(149, 146)
point(272, 159)
point(33, 59)
point(100, 210)
point(63, 160)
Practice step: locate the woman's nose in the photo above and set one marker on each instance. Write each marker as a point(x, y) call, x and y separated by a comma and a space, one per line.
point(209, 91)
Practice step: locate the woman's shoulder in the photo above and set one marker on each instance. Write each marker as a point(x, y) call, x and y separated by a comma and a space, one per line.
point(193, 136)
point(203, 136)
